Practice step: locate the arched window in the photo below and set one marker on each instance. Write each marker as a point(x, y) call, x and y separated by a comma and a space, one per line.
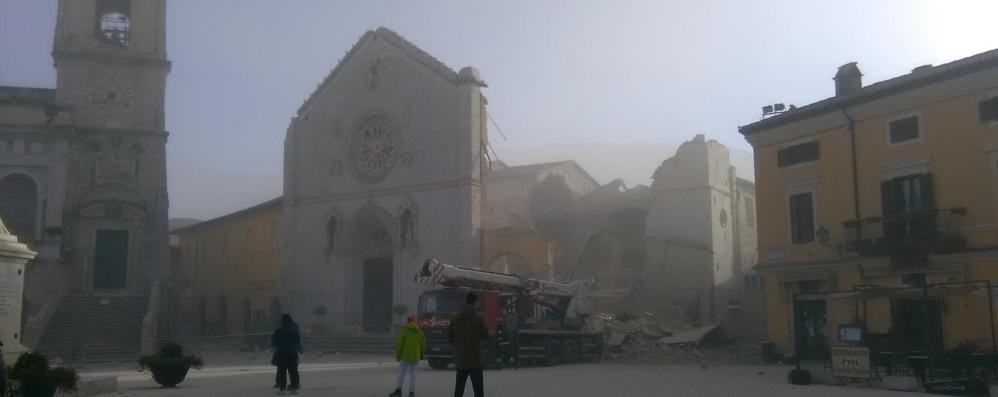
point(114, 21)
point(19, 205)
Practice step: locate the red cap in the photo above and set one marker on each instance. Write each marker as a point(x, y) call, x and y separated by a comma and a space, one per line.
point(410, 319)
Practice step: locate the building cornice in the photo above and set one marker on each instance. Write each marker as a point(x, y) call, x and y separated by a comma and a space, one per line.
point(983, 82)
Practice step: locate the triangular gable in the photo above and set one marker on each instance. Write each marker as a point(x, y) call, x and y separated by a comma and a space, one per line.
point(399, 42)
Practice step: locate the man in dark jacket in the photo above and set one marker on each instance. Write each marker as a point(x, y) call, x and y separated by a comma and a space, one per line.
point(286, 342)
point(466, 331)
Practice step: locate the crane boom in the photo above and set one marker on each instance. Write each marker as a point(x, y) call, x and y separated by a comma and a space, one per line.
point(436, 273)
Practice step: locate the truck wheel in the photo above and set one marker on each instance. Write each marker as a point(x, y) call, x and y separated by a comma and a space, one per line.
point(570, 351)
point(438, 363)
point(553, 354)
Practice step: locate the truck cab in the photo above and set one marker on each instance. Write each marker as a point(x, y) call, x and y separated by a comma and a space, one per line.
point(434, 313)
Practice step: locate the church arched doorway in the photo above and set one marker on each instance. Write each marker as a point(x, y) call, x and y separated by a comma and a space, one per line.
point(19, 205)
point(373, 242)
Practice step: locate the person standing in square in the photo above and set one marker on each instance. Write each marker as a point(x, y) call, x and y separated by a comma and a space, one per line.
point(286, 342)
point(409, 349)
point(466, 331)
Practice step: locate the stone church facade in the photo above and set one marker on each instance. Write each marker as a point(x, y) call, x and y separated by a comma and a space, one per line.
point(82, 166)
point(384, 168)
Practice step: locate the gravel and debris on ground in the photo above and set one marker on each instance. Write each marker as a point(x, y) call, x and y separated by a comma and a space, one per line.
point(649, 339)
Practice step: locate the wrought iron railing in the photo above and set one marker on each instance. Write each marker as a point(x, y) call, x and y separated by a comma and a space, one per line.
point(932, 230)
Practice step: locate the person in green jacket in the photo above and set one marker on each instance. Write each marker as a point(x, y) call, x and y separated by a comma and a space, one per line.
point(409, 349)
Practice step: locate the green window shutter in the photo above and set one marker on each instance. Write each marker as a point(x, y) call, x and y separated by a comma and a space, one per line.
point(928, 192)
point(887, 198)
point(927, 221)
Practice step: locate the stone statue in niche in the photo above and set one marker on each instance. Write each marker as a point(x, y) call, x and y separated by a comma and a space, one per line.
point(331, 231)
point(407, 231)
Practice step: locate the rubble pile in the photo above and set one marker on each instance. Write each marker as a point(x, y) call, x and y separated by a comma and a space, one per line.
point(647, 339)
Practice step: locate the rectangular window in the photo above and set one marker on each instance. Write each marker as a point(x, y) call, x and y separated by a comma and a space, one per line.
point(750, 212)
point(989, 109)
point(903, 130)
point(908, 207)
point(797, 154)
point(802, 218)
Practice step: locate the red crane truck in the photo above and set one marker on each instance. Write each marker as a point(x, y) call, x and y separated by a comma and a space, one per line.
point(530, 321)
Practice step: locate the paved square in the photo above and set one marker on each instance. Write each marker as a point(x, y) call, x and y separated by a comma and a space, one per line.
point(374, 378)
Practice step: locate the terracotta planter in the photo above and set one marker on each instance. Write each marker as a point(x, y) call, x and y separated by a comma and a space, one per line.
point(170, 375)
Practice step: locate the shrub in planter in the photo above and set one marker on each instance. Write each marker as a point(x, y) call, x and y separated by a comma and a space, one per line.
point(169, 366)
point(35, 378)
point(799, 377)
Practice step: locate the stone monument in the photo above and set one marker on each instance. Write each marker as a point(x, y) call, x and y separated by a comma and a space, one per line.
point(13, 257)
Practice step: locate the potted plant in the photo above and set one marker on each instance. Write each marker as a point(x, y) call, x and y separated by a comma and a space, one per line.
point(34, 377)
point(169, 366)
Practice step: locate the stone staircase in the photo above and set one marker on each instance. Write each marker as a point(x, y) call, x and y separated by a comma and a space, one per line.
point(349, 344)
point(91, 329)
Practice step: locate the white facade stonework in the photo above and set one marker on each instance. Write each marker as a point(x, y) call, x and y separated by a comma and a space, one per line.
point(383, 169)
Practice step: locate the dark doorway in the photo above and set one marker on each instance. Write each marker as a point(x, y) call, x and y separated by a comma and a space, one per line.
point(111, 259)
point(378, 295)
point(918, 324)
point(809, 329)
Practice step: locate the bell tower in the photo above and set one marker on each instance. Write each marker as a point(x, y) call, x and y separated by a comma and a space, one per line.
point(110, 58)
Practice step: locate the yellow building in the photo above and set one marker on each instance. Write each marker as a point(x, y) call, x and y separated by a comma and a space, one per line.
point(878, 212)
point(228, 279)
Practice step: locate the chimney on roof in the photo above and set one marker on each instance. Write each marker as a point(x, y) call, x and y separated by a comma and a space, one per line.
point(923, 68)
point(848, 80)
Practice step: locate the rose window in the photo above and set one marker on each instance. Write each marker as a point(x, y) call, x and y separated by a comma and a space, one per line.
point(374, 149)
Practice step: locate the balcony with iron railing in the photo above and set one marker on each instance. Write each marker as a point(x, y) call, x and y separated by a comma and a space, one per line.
point(928, 231)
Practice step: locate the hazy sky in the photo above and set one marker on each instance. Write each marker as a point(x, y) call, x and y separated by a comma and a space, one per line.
point(559, 72)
